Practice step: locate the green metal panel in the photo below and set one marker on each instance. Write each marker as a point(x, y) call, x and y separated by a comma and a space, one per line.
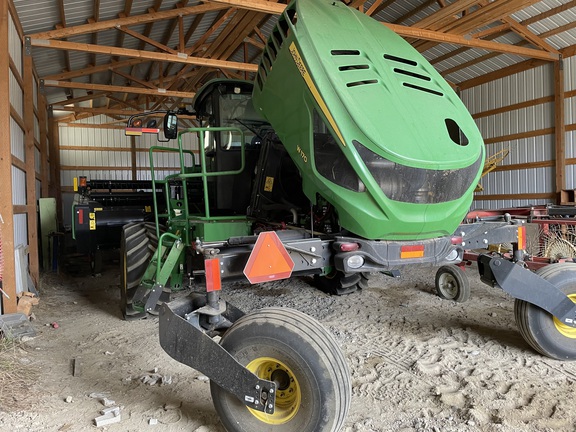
point(367, 85)
point(219, 229)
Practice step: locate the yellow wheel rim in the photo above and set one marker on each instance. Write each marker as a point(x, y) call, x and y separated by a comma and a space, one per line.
point(288, 393)
point(569, 332)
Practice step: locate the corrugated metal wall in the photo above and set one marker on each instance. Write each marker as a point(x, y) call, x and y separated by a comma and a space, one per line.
point(105, 154)
point(526, 132)
point(17, 135)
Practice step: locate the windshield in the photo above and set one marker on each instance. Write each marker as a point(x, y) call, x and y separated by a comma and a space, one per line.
point(237, 110)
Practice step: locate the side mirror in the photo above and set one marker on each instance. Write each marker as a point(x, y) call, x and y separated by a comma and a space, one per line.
point(170, 126)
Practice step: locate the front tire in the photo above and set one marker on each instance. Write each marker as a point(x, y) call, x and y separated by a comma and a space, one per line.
point(138, 242)
point(452, 284)
point(543, 332)
point(289, 347)
point(339, 283)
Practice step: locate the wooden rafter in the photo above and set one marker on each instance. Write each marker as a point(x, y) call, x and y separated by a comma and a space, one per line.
point(483, 16)
point(477, 43)
point(117, 89)
point(150, 55)
point(147, 40)
point(414, 11)
point(95, 69)
point(81, 98)
point(127, 21)
point(132, 78)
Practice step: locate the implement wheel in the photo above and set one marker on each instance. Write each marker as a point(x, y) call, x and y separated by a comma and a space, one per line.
point(138, 242)
point(452, 283)
point(339, 283)
point(543, 332)
point(294, 350)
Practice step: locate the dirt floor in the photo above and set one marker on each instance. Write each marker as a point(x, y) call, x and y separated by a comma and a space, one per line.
point(418, 363)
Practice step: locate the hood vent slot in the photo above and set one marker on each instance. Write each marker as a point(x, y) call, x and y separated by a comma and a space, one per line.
point(400, 60)
point(359, 83)
point(424, 89)
point(412, 74)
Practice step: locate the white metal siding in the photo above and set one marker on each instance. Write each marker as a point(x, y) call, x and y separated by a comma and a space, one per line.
point(20, 230)
point(36, 128)
point(522, 87)
point(14, 44)
point(18, 186)
point(115, 138)
point(37, 161)
point(17, 140)
point(38, 190)
point(16, 96)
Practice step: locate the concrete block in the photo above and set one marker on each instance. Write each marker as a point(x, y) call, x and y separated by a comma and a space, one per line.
point(107, 419)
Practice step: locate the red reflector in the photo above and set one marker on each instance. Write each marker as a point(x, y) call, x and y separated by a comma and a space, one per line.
point(80, 216)
point(213, 281)
point(349, 247)
point(456, 240)
point(412, 251)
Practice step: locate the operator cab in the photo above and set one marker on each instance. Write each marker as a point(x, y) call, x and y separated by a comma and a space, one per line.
point(226, 103)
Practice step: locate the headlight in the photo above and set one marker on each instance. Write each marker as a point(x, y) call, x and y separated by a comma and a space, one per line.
point(452, 256)
point(355, 261)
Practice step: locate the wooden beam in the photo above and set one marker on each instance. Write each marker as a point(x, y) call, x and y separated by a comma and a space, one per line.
point(519, 136)
point(522, 196)
point(254, 5)
point(507, 71)
point(179, 58)
point(513, 107)
point(445, 15)
point(146, 39)
point(117, 89)
point(127, 21)
point(132, 78)
point(559, 126)
point(95, 69)
point(549, 13)
point(409, 14)
point(534, 39)
point(80, 98)
point(114, 112)
point(477, 43)
point(487, 14)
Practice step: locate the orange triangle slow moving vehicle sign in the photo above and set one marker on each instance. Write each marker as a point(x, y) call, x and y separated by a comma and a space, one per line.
point(269, 260)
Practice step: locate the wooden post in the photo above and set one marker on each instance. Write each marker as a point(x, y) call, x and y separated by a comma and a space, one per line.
point(6, 208)
point(560, 127)
point(30, 159)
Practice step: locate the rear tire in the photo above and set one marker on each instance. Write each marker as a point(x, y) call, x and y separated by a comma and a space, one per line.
point(291, 348)
point(339, 283)
point(138, 242)
point(543, 332)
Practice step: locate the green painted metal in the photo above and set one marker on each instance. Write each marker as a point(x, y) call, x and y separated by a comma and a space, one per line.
point(180, 219)
point(337, 85)
point(217, 229)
